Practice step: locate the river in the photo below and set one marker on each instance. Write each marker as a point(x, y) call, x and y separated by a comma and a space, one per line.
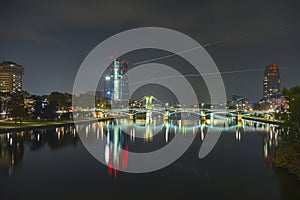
point(53, 163)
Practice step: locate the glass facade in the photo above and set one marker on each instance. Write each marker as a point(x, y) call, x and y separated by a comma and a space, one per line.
point(271, 82)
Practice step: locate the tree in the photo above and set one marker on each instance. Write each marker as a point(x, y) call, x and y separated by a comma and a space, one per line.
point(26, 94)
point(104, 104)
point(63, 101)
point(287, 153)
point(49, 111)
point(84, 101)
point(37, 109)
point(292, 96)
point(1, 104)
point(16, 107)
point(43, 110)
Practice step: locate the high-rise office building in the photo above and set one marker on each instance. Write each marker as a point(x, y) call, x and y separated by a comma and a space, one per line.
point(119, 81)
point(271, 83)
point(11, 75)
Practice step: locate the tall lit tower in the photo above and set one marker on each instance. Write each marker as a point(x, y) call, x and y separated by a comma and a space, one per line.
point(272, 85)
point(120, 82)
point(116, 84)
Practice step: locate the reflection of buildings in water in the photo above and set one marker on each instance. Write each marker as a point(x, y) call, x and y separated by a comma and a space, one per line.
point(119, 132)
point(116, 148)
point(149, 118)
point(11, 152)
point(12, 144)
point(148, 134)
point(271, 140)
point(64, 136)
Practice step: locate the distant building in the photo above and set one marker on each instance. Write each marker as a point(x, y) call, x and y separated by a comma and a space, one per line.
point(271, 83)
point(11, 75)
point(239, 102)
point(97, 95)
point(135, 104)
point(278, 101)
point(29, 104)
point(274, 102)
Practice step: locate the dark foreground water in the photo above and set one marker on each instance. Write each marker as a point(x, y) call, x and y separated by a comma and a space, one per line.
point(52, 163)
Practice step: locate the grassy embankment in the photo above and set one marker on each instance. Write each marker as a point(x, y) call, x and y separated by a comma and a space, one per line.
point(11, 125)
point(287, 156)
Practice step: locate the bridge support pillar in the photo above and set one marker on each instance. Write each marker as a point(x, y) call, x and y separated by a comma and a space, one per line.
point(131, 117)
point(239, 118)
point(166, 116)
point(203, 117)
point(148, 117)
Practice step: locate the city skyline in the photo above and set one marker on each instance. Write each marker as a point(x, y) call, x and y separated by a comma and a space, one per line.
point(115, 79)
point(48, 41)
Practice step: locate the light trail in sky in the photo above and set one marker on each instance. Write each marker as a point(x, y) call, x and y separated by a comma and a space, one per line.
point(204, 74)
point(197, 75)
point(218, 42)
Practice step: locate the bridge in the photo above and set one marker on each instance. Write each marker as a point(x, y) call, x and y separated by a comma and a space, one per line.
point(149, 109)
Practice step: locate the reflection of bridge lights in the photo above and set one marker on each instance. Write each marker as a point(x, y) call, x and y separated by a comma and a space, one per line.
point(238, 133)
point(58, 135)
point(108, 136)
point(265, 150)
point(194, 130)
point(167, 134)
point(98, 134)
point(86, 132)
point(202, 133)
point(106, 154)
point(148, 134)
point(132, 134)
point(184, 129)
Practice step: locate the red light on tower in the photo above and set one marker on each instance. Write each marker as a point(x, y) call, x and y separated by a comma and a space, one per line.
point(125, 61)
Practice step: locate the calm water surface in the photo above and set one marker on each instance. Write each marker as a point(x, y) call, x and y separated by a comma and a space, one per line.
point(52, 163)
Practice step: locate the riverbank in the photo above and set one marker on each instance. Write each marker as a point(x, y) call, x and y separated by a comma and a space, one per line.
point(29, 124)
point(264, 120)
point(287, 157)
point(6, 125)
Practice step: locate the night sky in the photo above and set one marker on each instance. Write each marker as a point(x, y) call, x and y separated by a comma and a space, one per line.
point(51, 38)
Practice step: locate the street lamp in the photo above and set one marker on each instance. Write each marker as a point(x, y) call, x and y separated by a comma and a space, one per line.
point(107, 78)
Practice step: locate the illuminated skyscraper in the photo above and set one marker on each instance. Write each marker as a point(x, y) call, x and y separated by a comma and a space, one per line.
point(119, 81)
point(10, 77)
point(272, 85)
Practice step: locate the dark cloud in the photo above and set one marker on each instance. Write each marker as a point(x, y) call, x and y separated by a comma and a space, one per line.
point(51, 38)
